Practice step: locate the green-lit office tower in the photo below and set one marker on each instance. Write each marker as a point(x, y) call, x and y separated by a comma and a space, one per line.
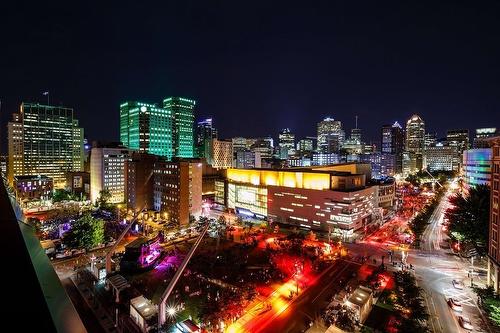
point(147, 128)
point(182, 110)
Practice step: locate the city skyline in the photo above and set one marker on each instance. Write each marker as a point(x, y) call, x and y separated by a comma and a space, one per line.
point(336, 60)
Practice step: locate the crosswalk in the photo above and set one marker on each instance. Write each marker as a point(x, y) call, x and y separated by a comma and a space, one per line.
point(460, 295)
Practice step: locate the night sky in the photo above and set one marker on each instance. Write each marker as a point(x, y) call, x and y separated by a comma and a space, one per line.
point(257, 67)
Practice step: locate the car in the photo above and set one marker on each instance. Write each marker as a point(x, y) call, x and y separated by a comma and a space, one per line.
point(455, 304)
point(458, 284)
point(465, 323)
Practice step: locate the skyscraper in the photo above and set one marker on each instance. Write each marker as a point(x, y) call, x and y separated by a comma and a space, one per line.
point(205, 132)
point(286, 143)
point(305, 145)
point(393, 144)
point(44, 140)
point(330, 135)
point(458, 138)
point(182, 110)
point(146, 128)
point(415, 141)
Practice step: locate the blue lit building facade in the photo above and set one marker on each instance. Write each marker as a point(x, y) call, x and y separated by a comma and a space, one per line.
point(477, 166)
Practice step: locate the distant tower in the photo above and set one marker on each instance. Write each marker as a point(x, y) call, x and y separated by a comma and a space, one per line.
point(415, 142)
point(356, 132)
point(286, 143)
point(330, 135)
point(393, 144)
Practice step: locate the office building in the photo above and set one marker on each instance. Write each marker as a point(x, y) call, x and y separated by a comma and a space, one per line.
point(182, 109)
point(393, 143)
point(493, 278)
point(415, 142)
point(286, 143)
point(30, 188)
point(458, 138)
point(247, 159)
point(264, 147)
point(3, 166)
point(330, 135)
point(139, 181)
point(78, 183)
point(441, 157)
point(477, 166)
point(205, 132)
point(482, 135)
point(178, 189)
point(325, 158)
point(220, 154)
point(147, 128)
point(305, 146)
point(107, 171)
point(44, 140)
point(430, 139)
point(334, 197)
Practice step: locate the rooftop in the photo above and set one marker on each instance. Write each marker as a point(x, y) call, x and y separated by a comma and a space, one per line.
point(144, 307)
point(360, 296)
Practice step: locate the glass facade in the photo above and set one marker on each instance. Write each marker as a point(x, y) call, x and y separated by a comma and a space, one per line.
point(52, 142)
point(477, 166)
point(147, 128)
point(182, 110)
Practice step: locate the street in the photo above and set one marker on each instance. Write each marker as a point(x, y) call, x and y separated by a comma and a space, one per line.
point(435, 268)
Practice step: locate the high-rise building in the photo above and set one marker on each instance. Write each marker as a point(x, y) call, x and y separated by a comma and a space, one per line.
point(482, 134)
point(458, 138)
point(330, 135)
point(44, 140)
point(393, 143)
point(415, 141)
point(178, 189)
point(286, 143)
point(305, 146)
point(477, 166)
point(494, 226)
point(3, 166)
point(220, 155)
point(147, 128)
point(107, 171)
point(263, 146)
point(182, 110)
point(139, 180)
point(205, 132)
point(430, 139)
point(441, 157)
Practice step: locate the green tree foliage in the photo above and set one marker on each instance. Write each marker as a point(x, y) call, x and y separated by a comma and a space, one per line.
point(419, 223)
point(86, 232)
point(469, 216)
point(410, 304)
point(61, 195)
point(104, 197)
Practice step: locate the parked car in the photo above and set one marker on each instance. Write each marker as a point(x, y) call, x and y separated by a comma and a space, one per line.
point(458, 284)
point(455, 305)
point(465, 323)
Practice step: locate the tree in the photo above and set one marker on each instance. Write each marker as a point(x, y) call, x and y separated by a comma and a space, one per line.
point(469, 215)
point(86, 232)
point(60, 195)
point(104, 197)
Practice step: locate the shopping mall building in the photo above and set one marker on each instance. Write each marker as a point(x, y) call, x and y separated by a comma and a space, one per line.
point(335, 197)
